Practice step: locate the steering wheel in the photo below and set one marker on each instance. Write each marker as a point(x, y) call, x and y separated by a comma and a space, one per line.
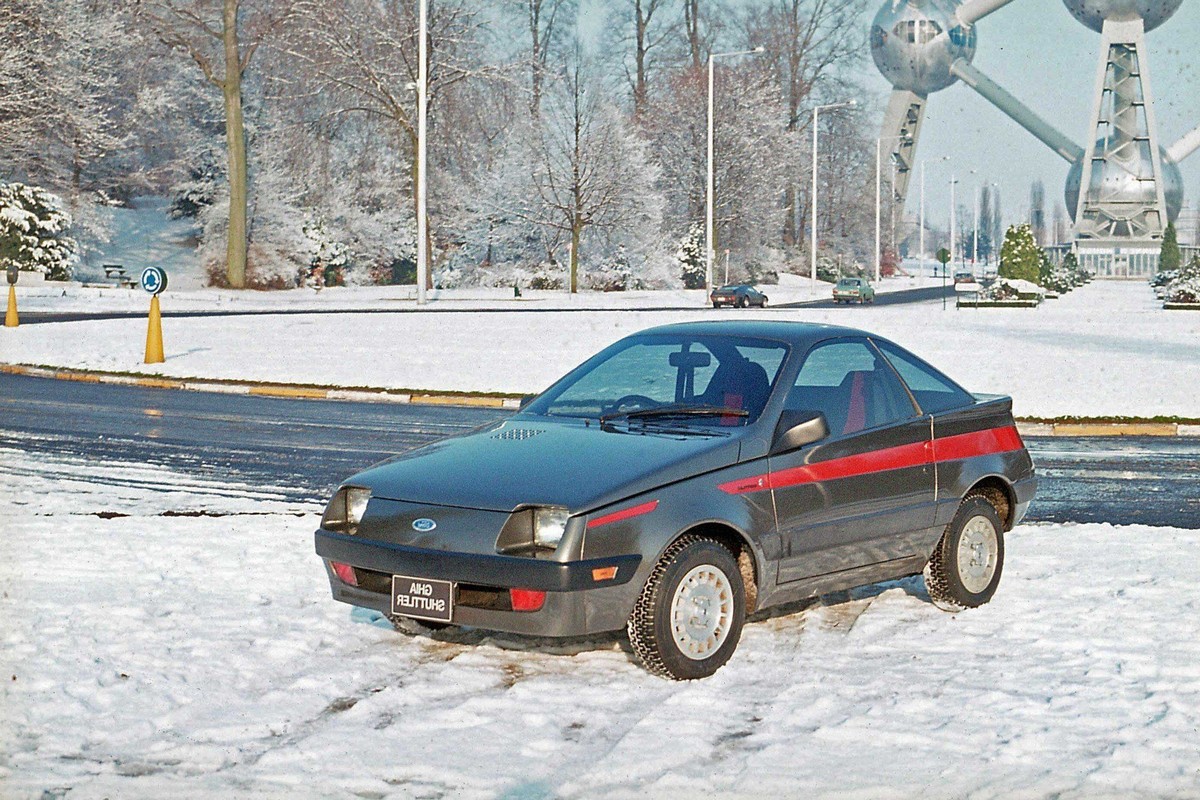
point(638, 401)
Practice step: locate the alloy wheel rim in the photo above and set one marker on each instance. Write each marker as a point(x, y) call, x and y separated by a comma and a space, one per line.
point(701, 612)
point(978, 554)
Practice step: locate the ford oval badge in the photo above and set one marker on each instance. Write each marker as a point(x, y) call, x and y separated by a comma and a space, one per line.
point(424, 524)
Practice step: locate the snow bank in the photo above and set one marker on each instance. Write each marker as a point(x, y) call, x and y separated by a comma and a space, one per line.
point(150, 656)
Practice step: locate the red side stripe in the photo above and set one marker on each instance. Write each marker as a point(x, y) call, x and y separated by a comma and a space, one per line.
point(628, 513)
point(950, 448)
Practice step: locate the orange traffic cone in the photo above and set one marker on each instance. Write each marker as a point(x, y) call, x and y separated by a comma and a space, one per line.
point(11, 320)
point(154, 338)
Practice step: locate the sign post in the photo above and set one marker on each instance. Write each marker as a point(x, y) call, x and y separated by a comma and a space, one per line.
point(943, 256)
point(11, 320)
point(154, 281)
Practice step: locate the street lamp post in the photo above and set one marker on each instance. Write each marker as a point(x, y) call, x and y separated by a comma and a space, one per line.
point(709, 233)
point(813, 200)
point(879, 195)
point(422, 115)
point(953, 220)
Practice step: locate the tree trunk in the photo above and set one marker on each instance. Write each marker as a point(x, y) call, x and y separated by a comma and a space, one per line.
point(576, 230)
point(640, 22)
point(235, 135)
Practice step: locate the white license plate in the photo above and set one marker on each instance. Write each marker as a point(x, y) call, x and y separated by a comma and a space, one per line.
point(422, 598)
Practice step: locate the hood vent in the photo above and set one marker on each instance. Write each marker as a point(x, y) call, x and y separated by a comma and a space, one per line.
point(516, 434)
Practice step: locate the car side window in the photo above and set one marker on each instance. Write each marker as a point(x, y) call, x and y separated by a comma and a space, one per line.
point(934, 392)
point(852, 386)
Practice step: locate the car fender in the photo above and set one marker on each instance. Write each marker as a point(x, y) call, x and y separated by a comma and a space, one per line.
point(696, 504)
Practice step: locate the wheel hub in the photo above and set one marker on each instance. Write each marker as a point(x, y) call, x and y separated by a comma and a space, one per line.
point(978, 554)
point(701, 611)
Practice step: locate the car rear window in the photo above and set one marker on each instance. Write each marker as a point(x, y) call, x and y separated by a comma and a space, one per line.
point(934, 391)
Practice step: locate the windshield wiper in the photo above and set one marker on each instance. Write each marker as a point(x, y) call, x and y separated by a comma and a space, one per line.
point(677, 411)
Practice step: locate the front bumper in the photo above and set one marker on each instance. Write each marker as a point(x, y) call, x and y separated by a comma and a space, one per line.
point(576, 603)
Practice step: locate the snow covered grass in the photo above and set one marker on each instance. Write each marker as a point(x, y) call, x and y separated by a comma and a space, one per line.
point(150, 656)
point(1106, 349)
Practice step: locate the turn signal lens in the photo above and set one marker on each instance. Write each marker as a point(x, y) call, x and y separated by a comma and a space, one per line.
point(345, 573)
point(526, 599)
point(604, 574)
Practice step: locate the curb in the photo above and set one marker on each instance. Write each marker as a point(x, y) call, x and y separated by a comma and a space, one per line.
point(511, 402)
point(291, 391)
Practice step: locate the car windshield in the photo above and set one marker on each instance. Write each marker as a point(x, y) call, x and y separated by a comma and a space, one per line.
point(665, 379)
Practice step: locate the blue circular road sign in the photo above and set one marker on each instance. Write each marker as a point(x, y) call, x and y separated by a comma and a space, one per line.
point(154, 280)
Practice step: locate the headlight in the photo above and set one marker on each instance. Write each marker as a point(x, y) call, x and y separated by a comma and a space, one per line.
point(549, 524)
point(345, 510)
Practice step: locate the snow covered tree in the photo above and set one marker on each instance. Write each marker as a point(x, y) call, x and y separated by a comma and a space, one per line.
point(33, 228)
point(222, 37)
point(359, 57)
point(592, 174)
point(1020, 256)
point(693, 268)
point(1169, 256)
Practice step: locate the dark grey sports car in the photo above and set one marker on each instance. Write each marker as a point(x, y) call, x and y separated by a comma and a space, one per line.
point(683, 478)
point(737, 294)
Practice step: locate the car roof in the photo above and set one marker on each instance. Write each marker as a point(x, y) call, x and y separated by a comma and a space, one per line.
point(796, 333)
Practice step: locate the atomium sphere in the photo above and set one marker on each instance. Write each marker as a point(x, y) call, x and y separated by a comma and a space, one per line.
point(1093, 12)
point(1122, 185)
point(914, 42)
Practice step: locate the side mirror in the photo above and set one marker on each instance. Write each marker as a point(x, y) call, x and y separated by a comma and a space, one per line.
point(798, 428)
point(526, 399)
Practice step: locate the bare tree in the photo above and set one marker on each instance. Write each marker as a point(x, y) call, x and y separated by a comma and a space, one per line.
point(592, 172)
point(805, 41)
point(640, 29)
point(1037, 211)
point(545, 21)
point(222, 37)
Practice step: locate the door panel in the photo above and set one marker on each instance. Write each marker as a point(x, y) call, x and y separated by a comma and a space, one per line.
point(860, 496)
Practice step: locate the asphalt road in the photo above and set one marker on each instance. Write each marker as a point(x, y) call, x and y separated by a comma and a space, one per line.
point(310, 445)
point(36, 317)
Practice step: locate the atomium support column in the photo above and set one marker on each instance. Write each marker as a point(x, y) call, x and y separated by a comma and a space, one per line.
point(901, 130)
point(1122, 189)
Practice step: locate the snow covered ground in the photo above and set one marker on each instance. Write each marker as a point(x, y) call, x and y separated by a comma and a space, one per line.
point(1105, 349)
point(148, 653)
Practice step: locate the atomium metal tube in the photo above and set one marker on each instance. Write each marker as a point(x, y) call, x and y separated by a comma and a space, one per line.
point(1017, 111)
point(1187, 144)
point(972, 11)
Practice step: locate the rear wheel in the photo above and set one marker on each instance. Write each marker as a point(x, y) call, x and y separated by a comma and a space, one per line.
point(689, 616)
point(965, 567)
point(743, 301)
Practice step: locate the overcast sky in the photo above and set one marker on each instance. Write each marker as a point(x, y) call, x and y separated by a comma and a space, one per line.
point(1037, 51)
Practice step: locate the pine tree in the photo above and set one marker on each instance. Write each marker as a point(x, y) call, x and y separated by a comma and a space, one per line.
point(692, 267)
point(1169, 258)
point(1020, 257)
point(33, 230)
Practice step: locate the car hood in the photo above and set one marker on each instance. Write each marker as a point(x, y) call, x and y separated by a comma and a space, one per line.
point(536, 461)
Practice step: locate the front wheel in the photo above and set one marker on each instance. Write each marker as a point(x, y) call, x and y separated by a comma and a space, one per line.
point(965, 567)
point(689, 616)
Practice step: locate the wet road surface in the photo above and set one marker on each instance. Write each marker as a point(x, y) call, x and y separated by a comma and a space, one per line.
point(310, 445)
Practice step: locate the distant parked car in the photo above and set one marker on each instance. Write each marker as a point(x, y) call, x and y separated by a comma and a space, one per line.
point(853, 290)
point(738, 294)
point(964, 276)
point(686, 477)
